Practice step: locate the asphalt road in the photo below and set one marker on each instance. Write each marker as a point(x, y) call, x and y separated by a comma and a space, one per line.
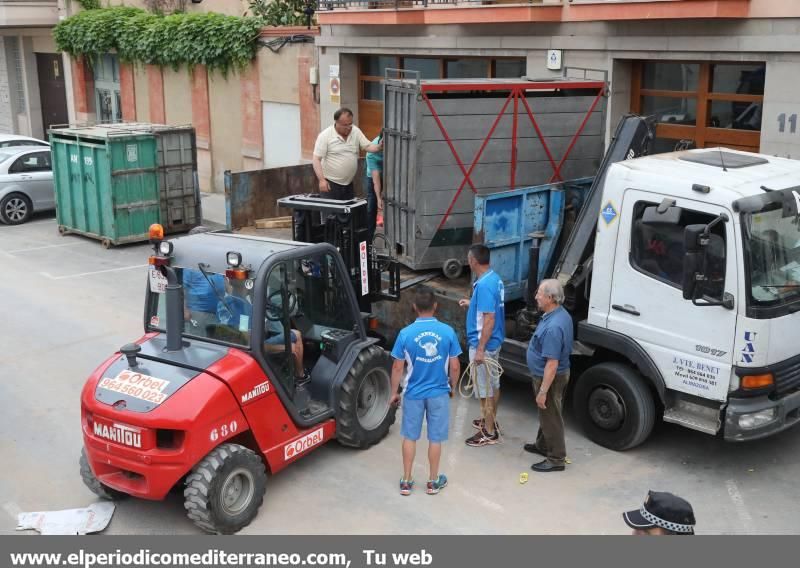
point(67, 304)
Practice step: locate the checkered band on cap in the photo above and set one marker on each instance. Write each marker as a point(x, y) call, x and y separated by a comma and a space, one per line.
point(659, 522)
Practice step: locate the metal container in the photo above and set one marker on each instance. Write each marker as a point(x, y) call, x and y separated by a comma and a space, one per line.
point(512, 222)
point(112, 181)
point(448, 141)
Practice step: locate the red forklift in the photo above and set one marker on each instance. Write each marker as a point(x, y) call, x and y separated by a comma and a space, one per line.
point(256, 351)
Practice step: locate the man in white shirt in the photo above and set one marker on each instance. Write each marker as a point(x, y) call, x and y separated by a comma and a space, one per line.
point(336, 155)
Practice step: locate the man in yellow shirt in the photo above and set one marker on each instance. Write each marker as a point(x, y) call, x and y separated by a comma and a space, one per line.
point(336, 155)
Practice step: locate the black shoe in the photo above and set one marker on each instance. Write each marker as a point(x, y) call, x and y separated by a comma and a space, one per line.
point(545, 466)
point(534, 450)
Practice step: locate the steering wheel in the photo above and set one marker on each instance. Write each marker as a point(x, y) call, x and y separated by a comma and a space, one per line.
point(274, 310)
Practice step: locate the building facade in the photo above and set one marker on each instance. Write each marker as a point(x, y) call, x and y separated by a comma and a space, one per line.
point(33, 82)
point(714, 72)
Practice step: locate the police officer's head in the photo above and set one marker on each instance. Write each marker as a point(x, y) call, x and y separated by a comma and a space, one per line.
point(661, 514)
point(424, 301)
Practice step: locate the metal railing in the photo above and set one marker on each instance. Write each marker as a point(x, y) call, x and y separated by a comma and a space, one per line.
point(327, 5)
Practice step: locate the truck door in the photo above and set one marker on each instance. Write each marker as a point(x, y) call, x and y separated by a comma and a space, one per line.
point(691, 345)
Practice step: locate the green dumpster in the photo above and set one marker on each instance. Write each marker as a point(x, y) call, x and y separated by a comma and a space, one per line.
point(112, 181)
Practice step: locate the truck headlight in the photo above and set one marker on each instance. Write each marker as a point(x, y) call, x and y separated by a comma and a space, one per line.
point(756, 419)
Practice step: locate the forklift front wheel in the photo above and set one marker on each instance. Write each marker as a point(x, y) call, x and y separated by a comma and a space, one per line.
point(94, 484)
point(225, 490)
point(364, 415)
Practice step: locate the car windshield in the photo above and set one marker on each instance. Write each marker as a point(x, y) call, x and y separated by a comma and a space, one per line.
point(772, 247)
point(214, 306)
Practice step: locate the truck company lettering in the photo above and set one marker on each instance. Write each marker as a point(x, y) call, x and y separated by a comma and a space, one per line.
point(257, 391)
point(696, 374)
point(303, 444)
point(749, 350)
point(120, 434)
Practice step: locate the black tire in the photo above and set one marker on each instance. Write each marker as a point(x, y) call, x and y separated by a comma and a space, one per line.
point(363, 412)
point(614, 405)
point(15, 209)
point(231, 469)
point(94, 484)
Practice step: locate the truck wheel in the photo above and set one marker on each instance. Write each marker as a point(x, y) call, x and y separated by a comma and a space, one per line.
point(363, 413)
point(614, 406)
point(224, 491)
point(94, 484)
point(452, 268)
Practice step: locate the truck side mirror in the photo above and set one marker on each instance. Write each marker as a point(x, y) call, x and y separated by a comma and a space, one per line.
point(693, 259)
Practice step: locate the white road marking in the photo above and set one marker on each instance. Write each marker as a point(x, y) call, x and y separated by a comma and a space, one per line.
point(741, 509)
point(43, 247)
point(458, 432)
point(480, 499)
point(51, 277)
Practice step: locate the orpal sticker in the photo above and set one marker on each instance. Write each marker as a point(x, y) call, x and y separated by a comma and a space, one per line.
point(137, 385)
point(303, 444)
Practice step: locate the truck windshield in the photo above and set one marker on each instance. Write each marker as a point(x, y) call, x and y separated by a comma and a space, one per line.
point(213, 307)
point(772, 249)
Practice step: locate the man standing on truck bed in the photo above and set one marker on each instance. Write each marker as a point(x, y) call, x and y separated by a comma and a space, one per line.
point(548, 361)
point(336, 153)
point(486, 325)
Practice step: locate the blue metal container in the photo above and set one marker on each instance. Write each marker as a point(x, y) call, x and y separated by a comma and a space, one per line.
point(508, 222)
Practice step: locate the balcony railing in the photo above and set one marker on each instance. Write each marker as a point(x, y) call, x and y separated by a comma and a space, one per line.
point(459, 11)
point(327, 5)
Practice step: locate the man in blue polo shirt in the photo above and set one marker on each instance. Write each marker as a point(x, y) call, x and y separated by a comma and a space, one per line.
point(548, 361)
point(486, 331)
point(428, 349)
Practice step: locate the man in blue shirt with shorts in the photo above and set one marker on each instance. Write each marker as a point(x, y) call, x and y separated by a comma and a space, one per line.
point(486, 331)
point(428, 350)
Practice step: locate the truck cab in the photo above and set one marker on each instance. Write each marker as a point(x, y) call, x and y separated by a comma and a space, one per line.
point(694, 298)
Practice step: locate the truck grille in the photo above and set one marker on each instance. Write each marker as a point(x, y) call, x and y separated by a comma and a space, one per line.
point(787, 376)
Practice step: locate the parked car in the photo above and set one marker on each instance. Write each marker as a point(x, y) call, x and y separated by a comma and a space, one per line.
point(10, 140)
point(26, 183)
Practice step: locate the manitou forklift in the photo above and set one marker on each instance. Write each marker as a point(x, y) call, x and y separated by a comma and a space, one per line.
point(255, 353)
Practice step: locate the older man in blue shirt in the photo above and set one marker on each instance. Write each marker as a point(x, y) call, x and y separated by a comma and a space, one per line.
point(548, 361)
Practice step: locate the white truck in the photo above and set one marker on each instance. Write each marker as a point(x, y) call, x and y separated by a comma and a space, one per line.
point(683, 277)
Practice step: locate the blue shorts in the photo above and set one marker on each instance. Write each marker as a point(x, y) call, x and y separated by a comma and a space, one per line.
point(437, 413)
point(280, 339)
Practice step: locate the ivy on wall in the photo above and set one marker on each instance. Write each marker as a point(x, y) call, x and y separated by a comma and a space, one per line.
point(219, 42)
point(283, 12)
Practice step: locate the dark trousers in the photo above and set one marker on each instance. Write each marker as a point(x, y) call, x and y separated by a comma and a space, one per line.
point(372, 208)
point(340, 192)
point(550, 438)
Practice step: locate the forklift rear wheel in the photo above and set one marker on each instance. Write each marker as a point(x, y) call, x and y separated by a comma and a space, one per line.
point(94, 484)
point(363, 413)
point(614, 406)
point(225, 490)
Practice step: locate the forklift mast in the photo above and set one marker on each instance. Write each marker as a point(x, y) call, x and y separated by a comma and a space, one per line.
point(343, 224)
